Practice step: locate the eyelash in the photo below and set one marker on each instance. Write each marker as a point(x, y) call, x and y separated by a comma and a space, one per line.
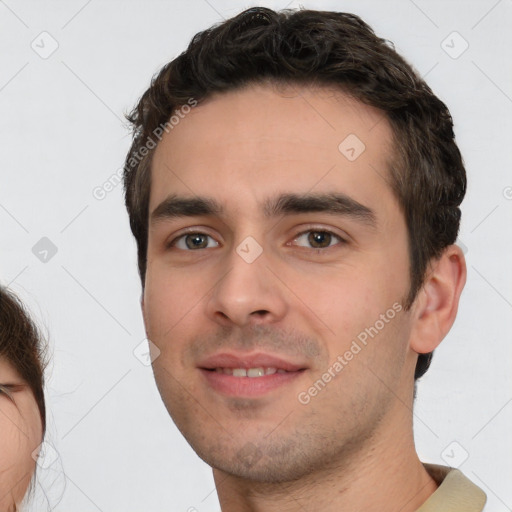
point(341, 241)
point(6, 390)
point(173, 242)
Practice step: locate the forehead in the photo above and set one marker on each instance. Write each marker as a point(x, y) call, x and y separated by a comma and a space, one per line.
point(261, 139)
point(7, 371)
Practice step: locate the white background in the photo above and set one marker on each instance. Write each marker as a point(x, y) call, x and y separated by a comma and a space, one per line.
point(63, 134)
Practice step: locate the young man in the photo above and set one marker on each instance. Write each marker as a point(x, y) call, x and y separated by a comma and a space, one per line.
point(294, 190)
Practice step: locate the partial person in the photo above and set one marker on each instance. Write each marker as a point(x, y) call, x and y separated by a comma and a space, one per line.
point(22, 402)
point(294, 189)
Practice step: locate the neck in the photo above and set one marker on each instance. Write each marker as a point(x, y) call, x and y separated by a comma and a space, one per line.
point(385, 475)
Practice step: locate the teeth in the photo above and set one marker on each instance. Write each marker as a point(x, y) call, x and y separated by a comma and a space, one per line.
point(250, 372)
point(255, 372)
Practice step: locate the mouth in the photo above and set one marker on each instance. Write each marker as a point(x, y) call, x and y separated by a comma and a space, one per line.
point(248, 375)
point(248, 372)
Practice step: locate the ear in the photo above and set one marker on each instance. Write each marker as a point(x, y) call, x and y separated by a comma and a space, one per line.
point(143, 309)
point(437, 303)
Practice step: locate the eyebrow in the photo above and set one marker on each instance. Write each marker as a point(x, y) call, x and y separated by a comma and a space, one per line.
point(284, 204)
point(334, 203)
point(177, 207)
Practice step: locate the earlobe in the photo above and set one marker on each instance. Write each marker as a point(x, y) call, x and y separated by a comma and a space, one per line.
point(438, 300)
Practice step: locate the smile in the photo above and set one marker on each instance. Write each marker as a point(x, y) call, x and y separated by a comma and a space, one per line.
point(249, 372)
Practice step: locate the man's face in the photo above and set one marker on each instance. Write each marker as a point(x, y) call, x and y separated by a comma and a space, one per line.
point(299, 251)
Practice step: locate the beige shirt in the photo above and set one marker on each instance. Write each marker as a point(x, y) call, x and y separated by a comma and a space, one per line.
point(455, 493)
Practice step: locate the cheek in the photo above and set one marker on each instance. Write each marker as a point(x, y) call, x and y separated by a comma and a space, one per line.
point(167, 295)
point(171, 299)
point(356, 311)
point(20, 436)
point(343, 299)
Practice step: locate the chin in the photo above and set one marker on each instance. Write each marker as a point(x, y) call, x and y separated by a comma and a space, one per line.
point(268, 464)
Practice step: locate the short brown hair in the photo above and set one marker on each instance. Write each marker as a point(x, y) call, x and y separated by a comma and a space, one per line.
point(326, 49)
point(22, 345)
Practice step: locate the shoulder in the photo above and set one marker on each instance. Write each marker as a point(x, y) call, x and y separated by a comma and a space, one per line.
point(456, 492)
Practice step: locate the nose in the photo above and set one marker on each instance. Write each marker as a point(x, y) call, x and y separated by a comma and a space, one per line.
point(248, 293)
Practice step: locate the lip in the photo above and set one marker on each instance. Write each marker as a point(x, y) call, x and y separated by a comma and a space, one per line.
point(232, 360)
point(248, 386)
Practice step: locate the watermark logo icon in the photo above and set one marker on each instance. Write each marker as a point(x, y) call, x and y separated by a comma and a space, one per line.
point(249, 454)
point(45, 45)
point(351, 147)
point(45, 455)
point(249, 250)
point(454, 454)
point(44, 250)
point(146, 352)
point(454, 45)
point(462, 245)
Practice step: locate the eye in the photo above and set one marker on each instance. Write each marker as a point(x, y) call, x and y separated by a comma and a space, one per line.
point(193, 241)
point(318, 239)
point(6, 389)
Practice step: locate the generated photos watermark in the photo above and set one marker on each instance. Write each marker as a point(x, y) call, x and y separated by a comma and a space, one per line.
point(357, 345)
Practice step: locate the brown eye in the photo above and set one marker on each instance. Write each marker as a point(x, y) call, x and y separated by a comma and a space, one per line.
point(318, 239)
point(196, 241)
